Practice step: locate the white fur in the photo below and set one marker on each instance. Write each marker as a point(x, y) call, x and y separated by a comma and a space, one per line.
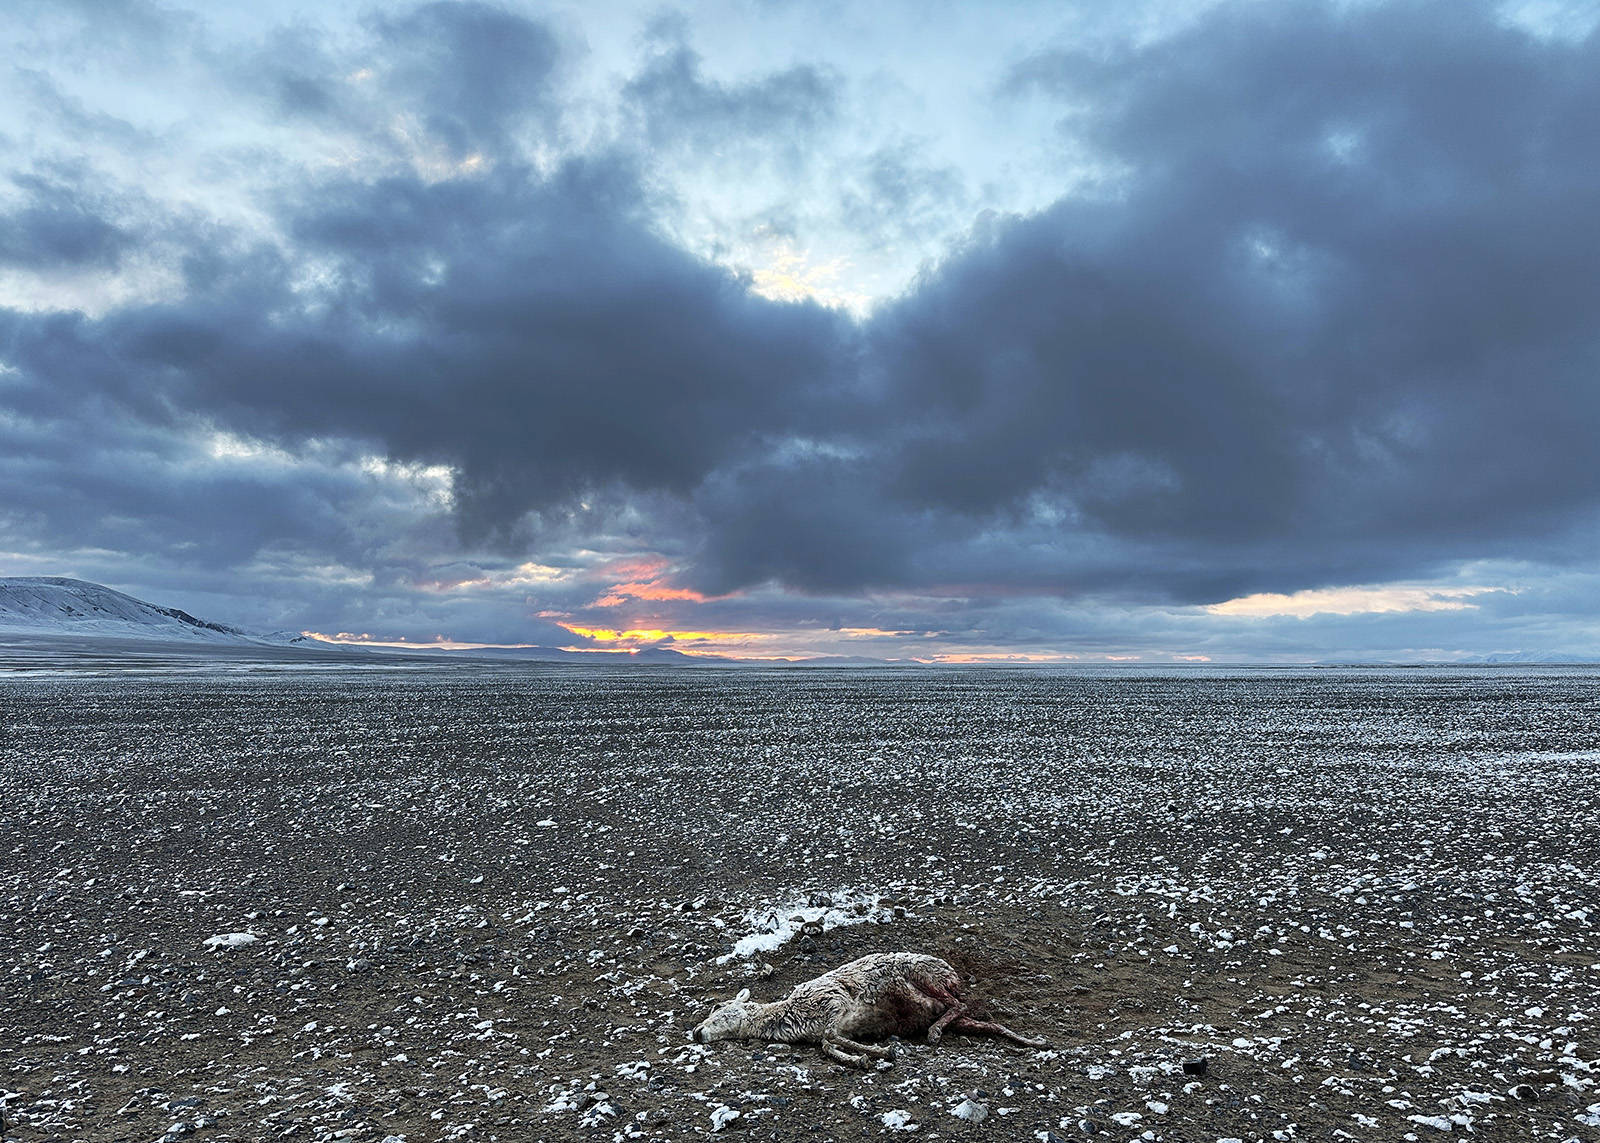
point(883, 994)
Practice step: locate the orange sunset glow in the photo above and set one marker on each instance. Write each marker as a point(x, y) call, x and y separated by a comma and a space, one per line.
point(620, 593)
point(645, 636)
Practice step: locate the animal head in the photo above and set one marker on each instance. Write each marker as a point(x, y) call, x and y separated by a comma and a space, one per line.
point(726, 1022)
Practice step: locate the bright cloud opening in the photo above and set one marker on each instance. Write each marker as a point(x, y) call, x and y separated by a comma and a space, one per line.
point(791, 276)
point(1351, 601)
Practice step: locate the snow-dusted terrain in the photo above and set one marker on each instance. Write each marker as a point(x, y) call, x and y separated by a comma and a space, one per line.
point(75, 608)
point(485, 903)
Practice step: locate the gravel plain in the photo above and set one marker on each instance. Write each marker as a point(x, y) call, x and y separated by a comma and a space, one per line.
point(485, 902)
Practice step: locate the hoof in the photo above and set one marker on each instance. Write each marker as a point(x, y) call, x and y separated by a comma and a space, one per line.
point(935, 1035)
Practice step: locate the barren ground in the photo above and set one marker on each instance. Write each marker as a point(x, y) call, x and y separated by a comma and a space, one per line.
point(488, 902)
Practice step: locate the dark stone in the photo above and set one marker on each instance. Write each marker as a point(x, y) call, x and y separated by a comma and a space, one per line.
point(1197, 1066)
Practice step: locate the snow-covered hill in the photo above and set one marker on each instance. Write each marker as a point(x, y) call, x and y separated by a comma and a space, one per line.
point(48, 605)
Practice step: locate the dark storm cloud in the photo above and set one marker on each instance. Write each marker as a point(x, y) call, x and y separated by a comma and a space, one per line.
point(467, 78)
point(534, 334)
point(1332, 322)
point(475, 71)
point(58, 225)
point(1328, 318)
point(676, 105)
point(297, 76)
point(80, 474)
point(812, 522)
point(537, 335)
point(1341, 297)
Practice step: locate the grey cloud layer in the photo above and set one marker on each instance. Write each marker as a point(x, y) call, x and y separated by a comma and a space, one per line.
point(55, 226)
point(1328, 319)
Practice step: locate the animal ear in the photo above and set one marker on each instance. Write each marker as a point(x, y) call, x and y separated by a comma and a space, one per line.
point(744, 994)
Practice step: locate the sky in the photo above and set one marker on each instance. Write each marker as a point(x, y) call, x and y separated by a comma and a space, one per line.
point(1152, 332)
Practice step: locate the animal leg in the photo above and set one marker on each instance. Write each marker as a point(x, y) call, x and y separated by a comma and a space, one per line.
point(848, 1059)
point(969, 1024)
point(865, 1049)
point(951, 1014)
point(946, 996)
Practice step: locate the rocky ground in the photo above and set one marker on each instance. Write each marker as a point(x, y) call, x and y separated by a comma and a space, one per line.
point(422, 904)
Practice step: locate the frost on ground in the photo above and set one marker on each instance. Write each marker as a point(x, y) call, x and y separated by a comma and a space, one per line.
point(488, 903)
point(810, 915)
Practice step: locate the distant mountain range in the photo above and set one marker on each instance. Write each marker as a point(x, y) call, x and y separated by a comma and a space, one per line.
point(1498, 659)
point(1541, 657)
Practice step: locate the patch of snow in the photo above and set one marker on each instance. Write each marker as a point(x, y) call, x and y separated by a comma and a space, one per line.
point(775, 925)
point(1438, 1122)
point(230, 940)
point(970, 1110)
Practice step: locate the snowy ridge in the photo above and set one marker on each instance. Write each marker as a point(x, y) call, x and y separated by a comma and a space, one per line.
point(49, 605)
